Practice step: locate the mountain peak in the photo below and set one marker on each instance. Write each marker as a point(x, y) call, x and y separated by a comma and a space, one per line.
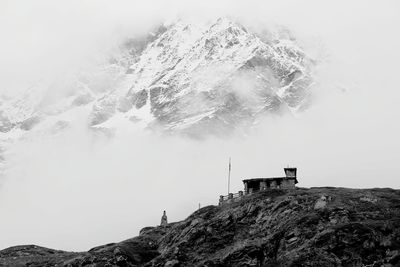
point(189, 77)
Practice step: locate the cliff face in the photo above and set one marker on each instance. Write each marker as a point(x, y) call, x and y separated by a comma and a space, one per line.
point(302, 227)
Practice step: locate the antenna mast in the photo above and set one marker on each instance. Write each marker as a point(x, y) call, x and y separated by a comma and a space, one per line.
point(229, 175)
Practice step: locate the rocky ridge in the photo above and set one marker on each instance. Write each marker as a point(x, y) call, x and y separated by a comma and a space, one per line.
point(302, 227)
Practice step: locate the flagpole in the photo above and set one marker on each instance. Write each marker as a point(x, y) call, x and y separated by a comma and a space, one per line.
point(229, 176)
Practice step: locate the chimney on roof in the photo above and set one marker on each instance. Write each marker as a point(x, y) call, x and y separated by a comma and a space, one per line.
point(291, 172)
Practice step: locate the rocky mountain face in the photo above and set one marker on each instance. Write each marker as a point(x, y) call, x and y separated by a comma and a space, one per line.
point(302, 227)
point(192, 78)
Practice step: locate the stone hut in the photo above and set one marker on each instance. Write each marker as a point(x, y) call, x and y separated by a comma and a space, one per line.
point(258, 184)
point(253, 185)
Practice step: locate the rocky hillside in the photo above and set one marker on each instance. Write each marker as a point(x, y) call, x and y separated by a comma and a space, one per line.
point(303, 227)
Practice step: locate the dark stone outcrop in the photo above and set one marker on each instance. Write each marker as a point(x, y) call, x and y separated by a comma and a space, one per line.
point(302, 227)
point(139, 99)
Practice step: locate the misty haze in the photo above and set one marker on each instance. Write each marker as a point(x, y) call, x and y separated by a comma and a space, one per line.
point(113, 113)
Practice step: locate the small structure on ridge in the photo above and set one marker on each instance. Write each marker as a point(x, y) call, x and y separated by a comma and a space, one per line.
point(164, 219)
point(259, 184)
point(253, 185)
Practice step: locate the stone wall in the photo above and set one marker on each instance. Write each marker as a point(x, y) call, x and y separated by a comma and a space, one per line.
point(230, 198)
point(288, 184)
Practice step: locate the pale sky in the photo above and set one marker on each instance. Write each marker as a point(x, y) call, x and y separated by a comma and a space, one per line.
point(77, 195)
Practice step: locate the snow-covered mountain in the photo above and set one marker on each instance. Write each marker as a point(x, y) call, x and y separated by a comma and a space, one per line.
point(190, 78)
